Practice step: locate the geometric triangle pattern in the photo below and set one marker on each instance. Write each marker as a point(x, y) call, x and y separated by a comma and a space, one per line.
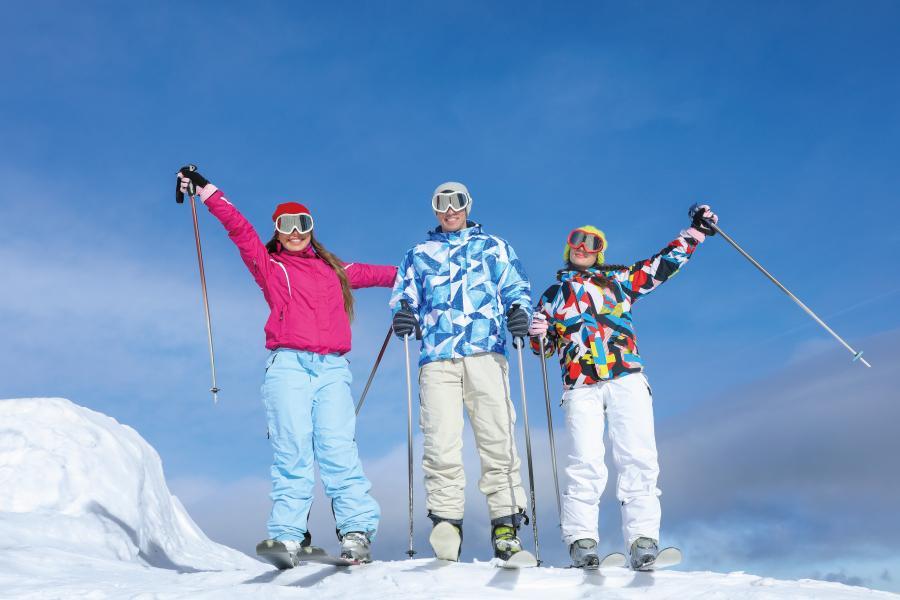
point(461, 284)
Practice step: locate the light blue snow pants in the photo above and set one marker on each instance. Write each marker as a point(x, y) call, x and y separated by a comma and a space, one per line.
point(312, 418)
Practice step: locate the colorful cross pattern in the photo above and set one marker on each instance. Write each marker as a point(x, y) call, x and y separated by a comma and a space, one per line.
point(589, 313)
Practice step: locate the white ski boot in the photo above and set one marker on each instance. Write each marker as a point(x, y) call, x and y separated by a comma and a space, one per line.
point(643, 554)
point(584, 554)
point(284, 554)
point(355, 545)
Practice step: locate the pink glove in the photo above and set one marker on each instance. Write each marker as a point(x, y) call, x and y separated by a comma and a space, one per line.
point(538, 325)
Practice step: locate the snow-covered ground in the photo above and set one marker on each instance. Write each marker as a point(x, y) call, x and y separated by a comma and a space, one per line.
point(85, 513)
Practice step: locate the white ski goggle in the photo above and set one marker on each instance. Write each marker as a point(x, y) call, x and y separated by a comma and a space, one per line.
point(286, 224)
point(447, 199)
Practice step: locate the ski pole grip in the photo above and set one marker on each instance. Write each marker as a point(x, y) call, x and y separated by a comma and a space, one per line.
point(405, 306)
point(179, 195)
point(518, 342)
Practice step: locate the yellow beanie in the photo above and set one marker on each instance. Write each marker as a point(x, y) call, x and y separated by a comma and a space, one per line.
point(589, 229)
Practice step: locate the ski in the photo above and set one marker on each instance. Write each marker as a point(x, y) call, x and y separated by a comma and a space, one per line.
point(445, 541)
point(523, 559)
point(275, 553)
point(318, 555)
point(615, 559)
point(667, 557)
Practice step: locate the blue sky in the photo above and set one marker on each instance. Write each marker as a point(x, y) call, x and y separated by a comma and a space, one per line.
point(783, 116)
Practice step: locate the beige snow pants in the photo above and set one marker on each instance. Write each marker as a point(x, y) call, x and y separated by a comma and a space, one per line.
point(481, 384)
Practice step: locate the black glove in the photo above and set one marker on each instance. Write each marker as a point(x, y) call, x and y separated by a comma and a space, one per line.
point(194, 180)
point(701, 216)
point(517, 322)
point(406, 322)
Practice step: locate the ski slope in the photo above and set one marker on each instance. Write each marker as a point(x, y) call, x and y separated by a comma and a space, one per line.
point(85, 513)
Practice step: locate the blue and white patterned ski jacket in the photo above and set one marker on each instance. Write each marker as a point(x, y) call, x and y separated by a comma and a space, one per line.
point(461, 284)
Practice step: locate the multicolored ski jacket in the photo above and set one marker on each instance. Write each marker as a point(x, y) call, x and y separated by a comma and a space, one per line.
point(461, 284)
point(589, 313)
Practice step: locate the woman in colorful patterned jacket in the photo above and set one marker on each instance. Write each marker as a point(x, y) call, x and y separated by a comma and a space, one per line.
point(309, 408)
point(586, 317)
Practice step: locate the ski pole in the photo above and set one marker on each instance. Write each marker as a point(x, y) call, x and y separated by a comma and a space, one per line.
point(365, 391)
point(179, 198)
point(543, 358)
point(409, 443)
point(518, 343)
point(727, 238)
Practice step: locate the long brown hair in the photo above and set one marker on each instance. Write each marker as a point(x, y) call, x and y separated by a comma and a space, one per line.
point(333, 261)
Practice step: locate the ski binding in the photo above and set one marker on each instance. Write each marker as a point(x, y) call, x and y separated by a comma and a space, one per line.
point(278, 555)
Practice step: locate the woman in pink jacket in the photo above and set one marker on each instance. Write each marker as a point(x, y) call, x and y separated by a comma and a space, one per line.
point(309, 408)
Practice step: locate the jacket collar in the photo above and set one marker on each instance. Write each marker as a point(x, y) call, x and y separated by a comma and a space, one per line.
point(471, 228)
point(307, 252)
point(571, 273)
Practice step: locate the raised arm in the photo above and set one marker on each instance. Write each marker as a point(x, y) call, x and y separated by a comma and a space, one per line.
point(252, 250)
point(644, 276)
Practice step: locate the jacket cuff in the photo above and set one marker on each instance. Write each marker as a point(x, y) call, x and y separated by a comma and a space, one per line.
point(692, 232)
point(215, 194)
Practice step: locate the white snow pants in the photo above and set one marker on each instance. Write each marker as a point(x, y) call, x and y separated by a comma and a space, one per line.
point(627, 404)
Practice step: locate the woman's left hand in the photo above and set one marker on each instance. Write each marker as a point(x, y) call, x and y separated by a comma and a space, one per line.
point(538, 325)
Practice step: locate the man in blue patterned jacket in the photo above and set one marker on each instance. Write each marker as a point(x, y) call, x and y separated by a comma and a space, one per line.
point(458, 289)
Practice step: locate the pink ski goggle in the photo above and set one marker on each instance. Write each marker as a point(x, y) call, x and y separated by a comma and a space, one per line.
point(586, 240)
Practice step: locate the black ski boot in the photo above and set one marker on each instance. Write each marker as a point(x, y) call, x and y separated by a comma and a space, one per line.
point(584, 554)
point(505, 536)
point(446, 538)
point(643, 554)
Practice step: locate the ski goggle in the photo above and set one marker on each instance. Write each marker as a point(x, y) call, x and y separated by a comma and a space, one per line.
point(447, 199)
point(286, 224)
point(587, 241)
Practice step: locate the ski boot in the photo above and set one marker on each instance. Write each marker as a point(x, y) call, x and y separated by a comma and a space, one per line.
point(446, 538)
point(355, 545)
point(643, 554)
point(282, 553)
point(505, 536)
point(584, 554)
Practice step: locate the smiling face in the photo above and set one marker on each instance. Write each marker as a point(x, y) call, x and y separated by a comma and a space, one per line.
point(582, 258)
point(294, 241)
point(451, 220)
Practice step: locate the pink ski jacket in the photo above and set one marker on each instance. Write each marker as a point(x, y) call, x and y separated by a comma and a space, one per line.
point(303, 291)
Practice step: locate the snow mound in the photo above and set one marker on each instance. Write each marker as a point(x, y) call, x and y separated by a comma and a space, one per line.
point(76, 481)
point(85, 513)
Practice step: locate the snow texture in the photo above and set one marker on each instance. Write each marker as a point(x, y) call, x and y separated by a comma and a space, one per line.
point(85, 513)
